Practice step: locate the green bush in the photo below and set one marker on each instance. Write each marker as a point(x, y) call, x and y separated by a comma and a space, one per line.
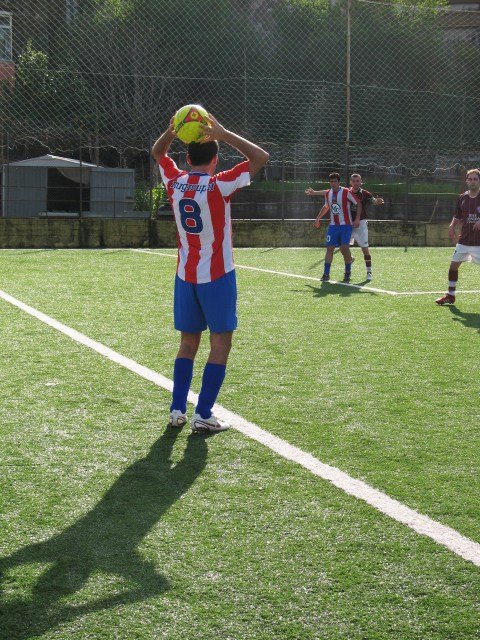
point(147, 199)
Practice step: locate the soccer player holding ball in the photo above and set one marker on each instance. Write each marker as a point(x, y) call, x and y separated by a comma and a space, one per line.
point(466, 216)
point(205, 292)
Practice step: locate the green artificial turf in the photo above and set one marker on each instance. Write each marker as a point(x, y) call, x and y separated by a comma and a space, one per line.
point(115, 527)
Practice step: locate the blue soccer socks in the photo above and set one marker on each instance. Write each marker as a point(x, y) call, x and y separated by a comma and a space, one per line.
point(213, 376)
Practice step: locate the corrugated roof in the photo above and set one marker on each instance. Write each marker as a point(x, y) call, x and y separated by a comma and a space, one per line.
point(53, 162)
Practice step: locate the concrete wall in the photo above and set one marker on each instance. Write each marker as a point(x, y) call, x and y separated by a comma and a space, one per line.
point(436, 235)
point(301, 233)
point(92, 232)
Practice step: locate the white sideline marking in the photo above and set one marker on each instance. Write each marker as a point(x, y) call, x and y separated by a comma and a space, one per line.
point(443, 535)
point(317, 280)
point(284, 273)
point(421, 293)
point(342, 284)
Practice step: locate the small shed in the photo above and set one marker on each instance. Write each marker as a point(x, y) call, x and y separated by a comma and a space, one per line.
point(51, 185)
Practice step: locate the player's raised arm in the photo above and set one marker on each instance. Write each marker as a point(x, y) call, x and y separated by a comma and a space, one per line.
point(311, 192)
point(162, 145)
point(256, 156)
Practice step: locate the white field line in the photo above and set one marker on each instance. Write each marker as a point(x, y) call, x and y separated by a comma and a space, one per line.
point(320, 246)
point(284, 273)
point(342, 284)
point(421, 293)
point(443, 535)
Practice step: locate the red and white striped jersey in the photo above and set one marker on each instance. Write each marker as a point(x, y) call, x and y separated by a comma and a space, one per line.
point(339, 203)
point(201, 204)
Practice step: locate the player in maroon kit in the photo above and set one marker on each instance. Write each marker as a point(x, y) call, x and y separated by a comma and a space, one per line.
point(467, 215)
point(360, 233)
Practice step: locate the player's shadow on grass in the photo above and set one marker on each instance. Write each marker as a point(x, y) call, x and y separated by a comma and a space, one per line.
point(315, 265)
point(329, 289)
point(104, 540)
point(470, 320)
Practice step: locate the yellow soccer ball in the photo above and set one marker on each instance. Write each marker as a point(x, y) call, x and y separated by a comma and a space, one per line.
point(187, 121)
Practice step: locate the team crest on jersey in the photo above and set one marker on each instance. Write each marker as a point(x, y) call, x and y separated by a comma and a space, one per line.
point(336, 209)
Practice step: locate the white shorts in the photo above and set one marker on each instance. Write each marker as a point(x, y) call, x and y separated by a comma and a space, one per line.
point(360, 234)
point(466, 253)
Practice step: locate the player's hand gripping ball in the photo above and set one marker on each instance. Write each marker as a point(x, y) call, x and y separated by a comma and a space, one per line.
point(187, 123)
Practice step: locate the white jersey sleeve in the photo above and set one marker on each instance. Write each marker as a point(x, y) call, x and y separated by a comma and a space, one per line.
point(230, 181)
point(169, 170)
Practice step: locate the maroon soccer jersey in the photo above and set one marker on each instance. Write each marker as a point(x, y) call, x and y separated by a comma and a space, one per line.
point(468, 210)
point(365, 198)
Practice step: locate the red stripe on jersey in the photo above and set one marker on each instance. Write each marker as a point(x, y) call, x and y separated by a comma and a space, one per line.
point(216, 205)
point(233, 173)
point(169, 167)
point(194, 244)
point(345, 206)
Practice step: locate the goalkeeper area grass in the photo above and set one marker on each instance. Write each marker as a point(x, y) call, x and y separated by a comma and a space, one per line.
point(114, 526)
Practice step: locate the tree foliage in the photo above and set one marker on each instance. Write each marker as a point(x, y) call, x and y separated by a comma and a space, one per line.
point(274, 69)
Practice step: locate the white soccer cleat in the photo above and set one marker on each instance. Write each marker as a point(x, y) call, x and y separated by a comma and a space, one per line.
point(207, 425)
point(369, 275)
point(177, 419)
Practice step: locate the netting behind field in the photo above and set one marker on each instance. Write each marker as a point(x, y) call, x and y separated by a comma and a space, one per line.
point(106, 75)
point(413, 99)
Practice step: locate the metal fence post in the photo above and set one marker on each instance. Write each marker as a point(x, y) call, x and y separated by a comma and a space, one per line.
point(81, 179)
point(347, 91)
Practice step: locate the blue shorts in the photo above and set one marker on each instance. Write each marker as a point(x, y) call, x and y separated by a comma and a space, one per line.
point(212, 305)
point(338, 234)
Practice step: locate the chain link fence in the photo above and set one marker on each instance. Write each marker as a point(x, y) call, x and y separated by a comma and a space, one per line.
point(385, 89)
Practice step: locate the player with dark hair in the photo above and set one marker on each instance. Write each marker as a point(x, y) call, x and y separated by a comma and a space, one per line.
point(339, 201)
point(360, 233)
point(205, 293)
point(202, 153)
point(466, 216)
